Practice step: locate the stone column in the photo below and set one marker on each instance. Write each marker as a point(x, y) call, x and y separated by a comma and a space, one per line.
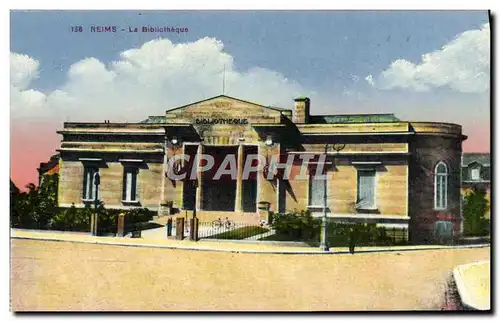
point(239, 181)
point(163, 176)
point(279, 181)
point(267, 188)
point(199, 190)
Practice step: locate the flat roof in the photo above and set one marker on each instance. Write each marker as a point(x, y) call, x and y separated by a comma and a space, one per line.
point(353, 118)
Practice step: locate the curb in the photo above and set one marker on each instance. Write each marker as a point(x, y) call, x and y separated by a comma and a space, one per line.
point(254, 241)
point(190, 248)
point(465, 297)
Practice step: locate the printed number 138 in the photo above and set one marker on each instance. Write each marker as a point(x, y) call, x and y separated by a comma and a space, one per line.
point(77, 29)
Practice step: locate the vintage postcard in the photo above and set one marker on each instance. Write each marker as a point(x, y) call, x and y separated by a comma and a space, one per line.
point(250, 160)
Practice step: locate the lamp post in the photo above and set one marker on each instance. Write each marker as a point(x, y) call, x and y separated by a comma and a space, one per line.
point(97, 182)
point(324, 220)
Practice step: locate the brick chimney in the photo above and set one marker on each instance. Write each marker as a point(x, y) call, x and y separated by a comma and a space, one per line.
point(301, 112)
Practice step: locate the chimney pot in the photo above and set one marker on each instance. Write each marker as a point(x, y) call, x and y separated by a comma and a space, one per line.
point(301, 112)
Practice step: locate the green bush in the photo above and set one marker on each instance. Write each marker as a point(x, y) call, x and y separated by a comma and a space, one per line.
point(361, 234)
point(474, 208)
point(301, 226)
point(37, 209)
point(296, 225)
point(72, 219)
point(78, 219)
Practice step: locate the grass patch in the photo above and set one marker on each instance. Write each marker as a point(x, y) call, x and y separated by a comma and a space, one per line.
point(141, 226)
point(240, 233)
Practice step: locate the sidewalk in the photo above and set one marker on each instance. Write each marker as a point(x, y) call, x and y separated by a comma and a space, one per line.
point(225, 246)
point(473, 284)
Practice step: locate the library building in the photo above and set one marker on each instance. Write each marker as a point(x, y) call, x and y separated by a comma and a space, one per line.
point(226, 157)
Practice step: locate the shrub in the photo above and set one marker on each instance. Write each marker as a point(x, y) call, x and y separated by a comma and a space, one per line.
point(301, 226)
point(296, 225)
point(78, 219)
point(474, 208)
point(72, 219)
point(135, 217)
point(364, 234)
point(37, 209)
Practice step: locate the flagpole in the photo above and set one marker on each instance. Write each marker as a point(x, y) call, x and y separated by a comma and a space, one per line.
point(224, 80)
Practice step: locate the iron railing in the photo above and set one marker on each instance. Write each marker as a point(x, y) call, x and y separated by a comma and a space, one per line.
point(230, 230)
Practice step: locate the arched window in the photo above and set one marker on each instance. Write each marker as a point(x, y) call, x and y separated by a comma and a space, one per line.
point(441, 186)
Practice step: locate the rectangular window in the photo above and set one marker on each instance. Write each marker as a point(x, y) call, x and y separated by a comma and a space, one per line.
point(89, 189)
point(366, 189)
point(474, 174)
point(441, 192)
point(129, 184)
point(316, 189)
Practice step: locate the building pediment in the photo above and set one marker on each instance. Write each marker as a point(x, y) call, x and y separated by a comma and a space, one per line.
point(224, 110)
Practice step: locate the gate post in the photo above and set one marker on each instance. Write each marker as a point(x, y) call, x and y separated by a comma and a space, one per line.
point(92, 224)
point(193, 231)
point(121, 225)
point(169, 227)
point(264, 212)
point(179, 228)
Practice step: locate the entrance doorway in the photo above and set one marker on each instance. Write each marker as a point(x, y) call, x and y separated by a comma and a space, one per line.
point(220, 194)
point(189, 190)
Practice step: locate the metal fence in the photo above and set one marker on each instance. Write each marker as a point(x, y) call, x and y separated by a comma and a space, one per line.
point(338, 234)
point(230, 230)
point(341, 235)
point(365, 235)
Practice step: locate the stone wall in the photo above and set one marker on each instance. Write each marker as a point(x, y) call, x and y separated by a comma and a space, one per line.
point(390, 189)
point(427, 152)
point(111, 187)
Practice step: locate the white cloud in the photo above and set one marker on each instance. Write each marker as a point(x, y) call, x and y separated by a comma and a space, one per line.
point(23, 69)
point(462, 65)
point(23, 100)
point(146, 81)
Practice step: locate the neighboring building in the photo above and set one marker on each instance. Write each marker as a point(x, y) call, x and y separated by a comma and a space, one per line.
point(476, 173)
point(49, 168)
point(381, 169)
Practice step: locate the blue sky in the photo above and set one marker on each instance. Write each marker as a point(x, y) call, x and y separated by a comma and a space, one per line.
point(319, 48)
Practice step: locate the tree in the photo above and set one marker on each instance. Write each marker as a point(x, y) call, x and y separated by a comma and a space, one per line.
point(475, 206)
point(15, 195)
point(46, 200)
point(21, 206)
point(34, 208)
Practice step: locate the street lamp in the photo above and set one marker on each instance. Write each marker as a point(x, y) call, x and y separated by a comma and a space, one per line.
point(324, 220)
point(97, 182)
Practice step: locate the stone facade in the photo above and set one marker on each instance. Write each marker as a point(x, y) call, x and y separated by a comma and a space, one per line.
point(428, 150)
point(401, 156)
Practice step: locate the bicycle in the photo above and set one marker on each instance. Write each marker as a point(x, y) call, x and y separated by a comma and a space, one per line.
point(219, 223)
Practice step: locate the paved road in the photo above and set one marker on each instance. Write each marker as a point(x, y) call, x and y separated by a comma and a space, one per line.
point(52, 276)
